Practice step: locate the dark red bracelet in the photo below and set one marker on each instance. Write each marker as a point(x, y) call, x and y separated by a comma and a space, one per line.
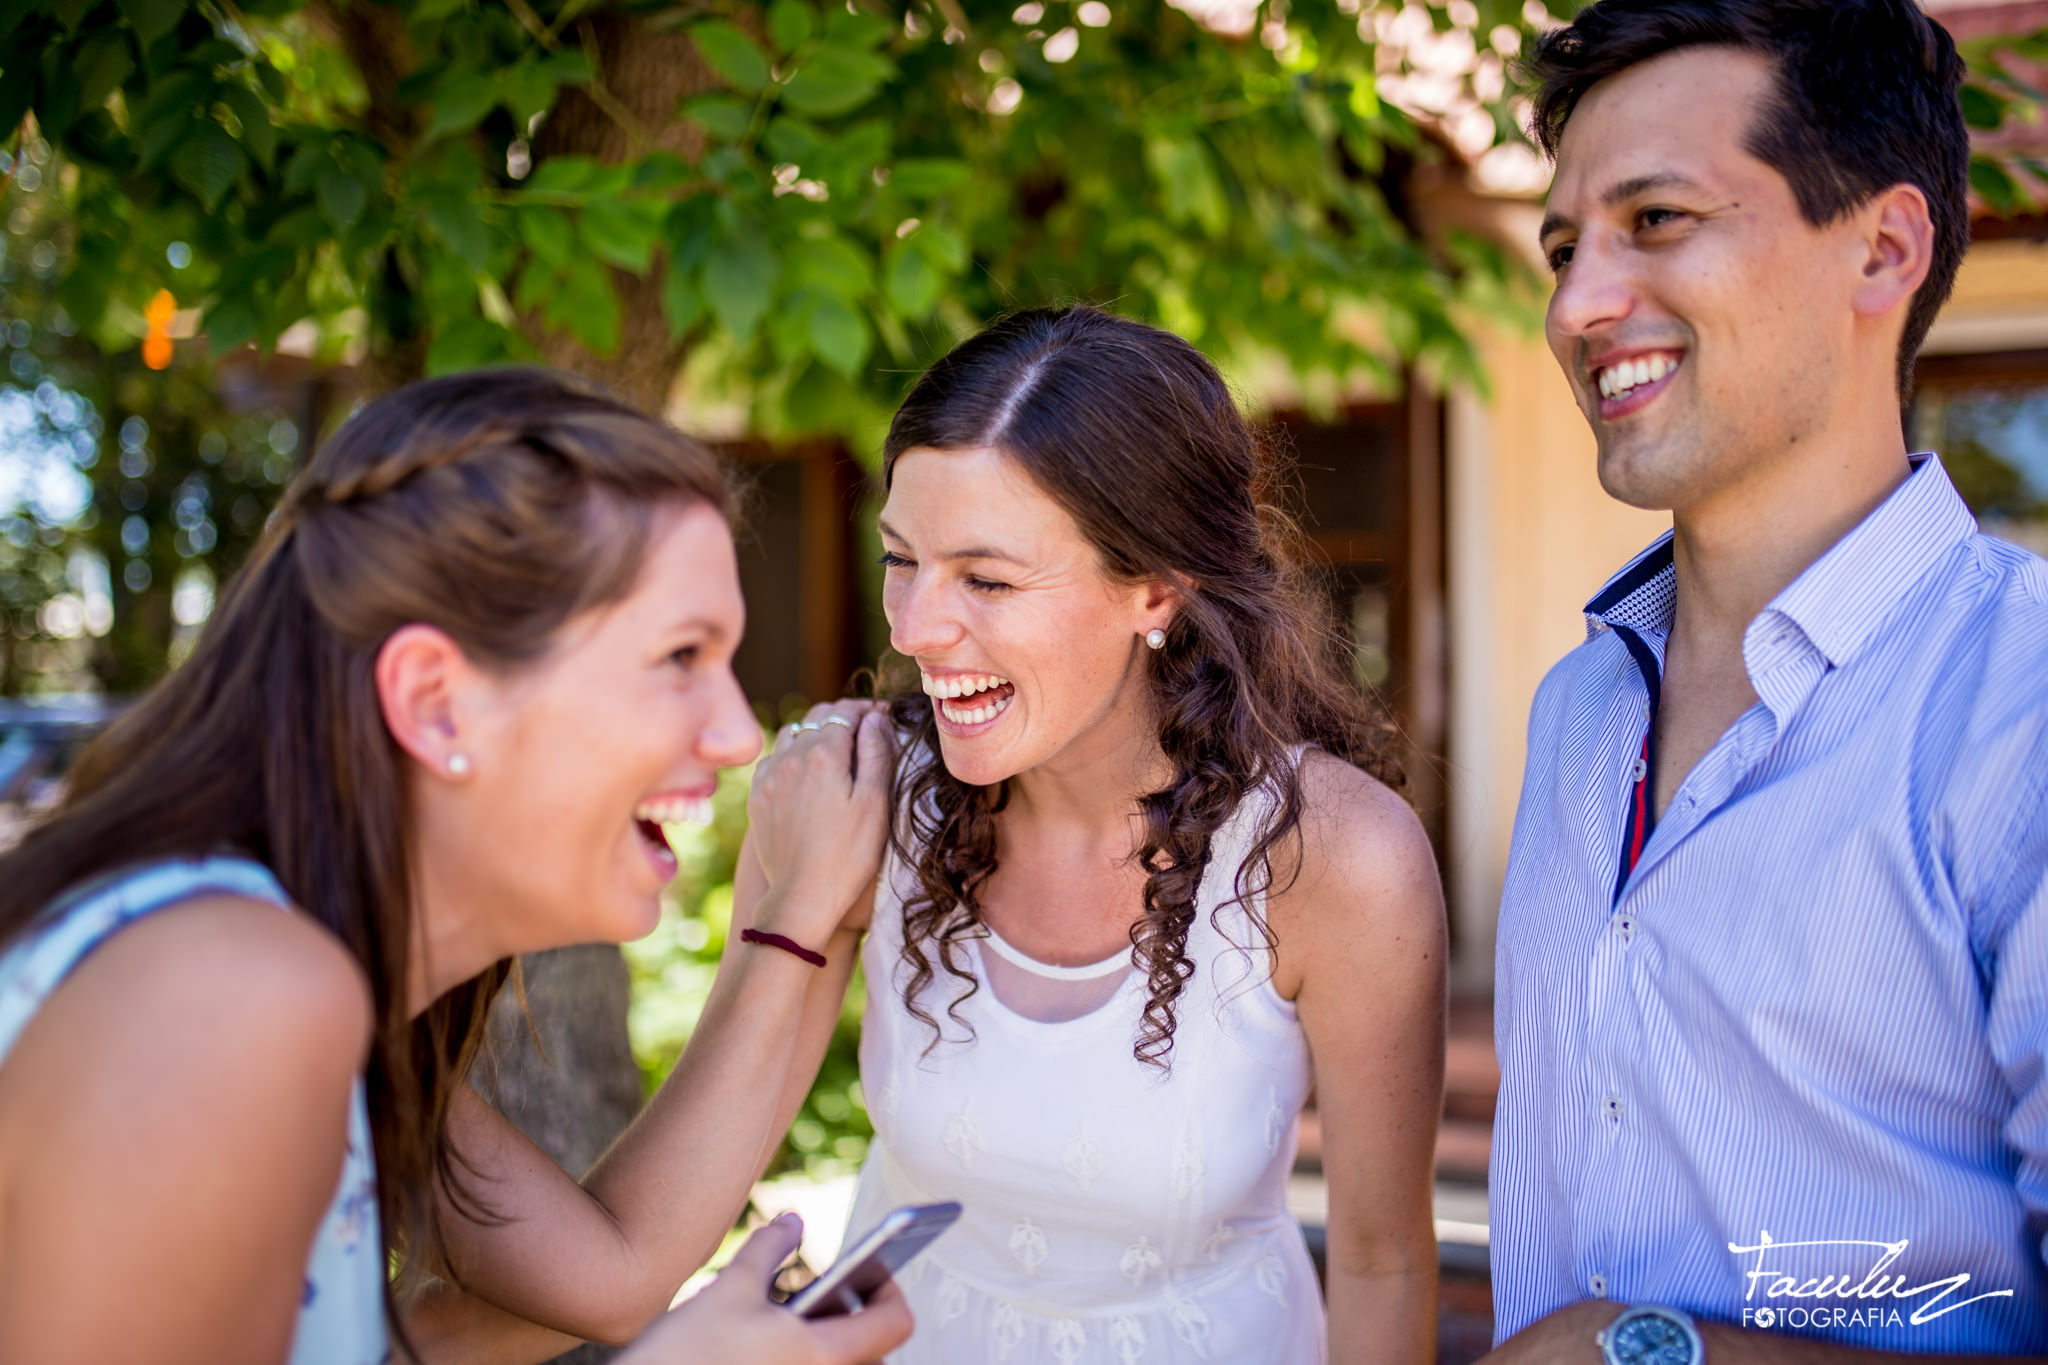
point(788, 945)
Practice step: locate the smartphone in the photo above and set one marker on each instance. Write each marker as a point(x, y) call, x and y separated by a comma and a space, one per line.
point(863, 1268)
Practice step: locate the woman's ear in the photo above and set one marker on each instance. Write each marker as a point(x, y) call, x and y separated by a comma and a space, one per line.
point(1157, 603)
point(420, 675)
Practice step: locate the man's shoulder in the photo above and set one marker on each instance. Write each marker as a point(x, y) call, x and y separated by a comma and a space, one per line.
point(1995, 644)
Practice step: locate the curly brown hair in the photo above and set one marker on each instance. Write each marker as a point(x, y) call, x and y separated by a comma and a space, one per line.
point(1134, 433)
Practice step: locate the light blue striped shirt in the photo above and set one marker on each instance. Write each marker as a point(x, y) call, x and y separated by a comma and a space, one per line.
point(1816, 1013)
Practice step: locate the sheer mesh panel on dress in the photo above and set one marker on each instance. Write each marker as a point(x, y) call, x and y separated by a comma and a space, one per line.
point(1044, 993)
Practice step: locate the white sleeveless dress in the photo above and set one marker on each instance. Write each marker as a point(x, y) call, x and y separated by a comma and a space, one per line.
point(1112, 1215)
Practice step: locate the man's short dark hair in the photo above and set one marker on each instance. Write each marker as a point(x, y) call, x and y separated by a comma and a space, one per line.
point(1867, 99)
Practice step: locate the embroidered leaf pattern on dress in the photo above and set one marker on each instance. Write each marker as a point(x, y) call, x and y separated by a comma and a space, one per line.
point(963, 1137)
point(1082, 1158)
point(1127, 1339)
point(1005, 1329)
point(1187, 1171)
point(1271, 1274)
point(1139, 1260)
point(1066, 1340)
point(1028, 1245)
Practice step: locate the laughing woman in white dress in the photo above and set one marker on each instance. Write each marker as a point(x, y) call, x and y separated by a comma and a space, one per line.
point(1147, 886)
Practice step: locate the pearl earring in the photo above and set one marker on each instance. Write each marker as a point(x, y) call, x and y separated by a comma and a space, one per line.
point(1156, 638)
point(458, 765)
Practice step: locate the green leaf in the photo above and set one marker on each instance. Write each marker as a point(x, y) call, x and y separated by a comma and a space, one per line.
point(732, 54)
point(920, 177)
point(793, 139)
point(461, 102)
point(304, 164)
point(622, 231)
point(587, 306)
point(739, 282)
point(537, 283)
point(839, 335)
point(789, 24)
point(427, 11)
point(689, 232)
point(942, 246)
point(681, 302)
point(17, 92)
point(341, 196)
point(856, 28)
point(102, 62)
point(832, 265)
point(465, 344)
point(562, 175)
point(836, 80)
point(257, 134)
point(1981, 108)
point(526, 89)
point(548, 232)
point(1991, 181)
point(662, 171)
point(909, 282)
point(152, 19)
point(272, 81)
point(455, 221)
point(207, 162)
point(722, 116)
point(229, 324)
point(1187, 176)
point(69, 14)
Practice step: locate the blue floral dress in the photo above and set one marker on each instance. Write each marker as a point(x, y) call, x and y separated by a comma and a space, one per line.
point(341, 1315)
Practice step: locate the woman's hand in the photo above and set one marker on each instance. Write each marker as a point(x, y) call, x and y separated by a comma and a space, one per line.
point(818, 815)
point(734, 1320)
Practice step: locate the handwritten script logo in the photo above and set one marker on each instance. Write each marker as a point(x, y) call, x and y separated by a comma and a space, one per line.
point(1874, 1297)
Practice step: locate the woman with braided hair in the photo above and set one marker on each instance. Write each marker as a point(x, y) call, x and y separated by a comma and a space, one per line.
point(1146, 871)
point(480, 656)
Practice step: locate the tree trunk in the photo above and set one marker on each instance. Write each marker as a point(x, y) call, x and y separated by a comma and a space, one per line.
point(644, 74)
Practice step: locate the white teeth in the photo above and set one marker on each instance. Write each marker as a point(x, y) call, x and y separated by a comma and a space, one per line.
point(1627, 375)
point(975, 715)
point(963, 685)
point(675, 810)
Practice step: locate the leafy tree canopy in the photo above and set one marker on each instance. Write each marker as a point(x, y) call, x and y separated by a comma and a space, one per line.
point(807, 199)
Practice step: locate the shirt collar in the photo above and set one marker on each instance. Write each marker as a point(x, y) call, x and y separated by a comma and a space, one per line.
point(1841, 598)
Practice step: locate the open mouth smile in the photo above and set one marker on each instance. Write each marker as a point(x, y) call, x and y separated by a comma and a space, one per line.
point(667, 809)
point(1632, 383)
point(967, 703)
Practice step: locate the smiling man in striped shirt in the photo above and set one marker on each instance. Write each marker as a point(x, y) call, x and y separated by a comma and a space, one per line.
point(1772, 991)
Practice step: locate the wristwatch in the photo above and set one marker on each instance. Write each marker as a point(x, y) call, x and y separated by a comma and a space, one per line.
point(1651, 1335)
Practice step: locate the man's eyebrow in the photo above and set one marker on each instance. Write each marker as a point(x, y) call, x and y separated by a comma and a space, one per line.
point(1620, 193)
point(968, 552)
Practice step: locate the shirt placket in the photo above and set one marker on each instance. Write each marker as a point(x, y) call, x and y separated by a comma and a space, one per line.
point(1607, 1007)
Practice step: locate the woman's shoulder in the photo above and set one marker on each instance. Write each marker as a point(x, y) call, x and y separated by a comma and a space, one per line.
point(1362, 859)
point(219, 979)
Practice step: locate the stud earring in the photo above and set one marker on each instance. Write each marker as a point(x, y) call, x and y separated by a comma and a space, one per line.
point(1156, 638)
point(458, 765)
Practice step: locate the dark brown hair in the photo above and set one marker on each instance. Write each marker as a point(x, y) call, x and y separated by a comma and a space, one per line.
point(1867, 98)
point(1133, 433)
point(496, 506)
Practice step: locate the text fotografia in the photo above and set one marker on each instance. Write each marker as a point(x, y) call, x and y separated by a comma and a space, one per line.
point(1871, 1300)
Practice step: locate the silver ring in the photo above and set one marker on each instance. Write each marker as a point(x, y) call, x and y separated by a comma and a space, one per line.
point(836, 719)
point(810, 725)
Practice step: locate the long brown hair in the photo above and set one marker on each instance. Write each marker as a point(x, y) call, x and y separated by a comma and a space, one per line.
point(1133, 433)
point(496, 506)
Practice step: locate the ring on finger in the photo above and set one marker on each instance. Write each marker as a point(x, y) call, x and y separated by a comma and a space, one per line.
point(810, 725)
point(836, 719)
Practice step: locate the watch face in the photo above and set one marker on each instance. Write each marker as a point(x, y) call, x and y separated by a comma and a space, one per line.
point(1652, 1339)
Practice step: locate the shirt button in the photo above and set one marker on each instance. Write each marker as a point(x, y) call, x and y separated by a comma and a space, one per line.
point(1598, 1284)
point(1611, 1107)
point(1640, 770)
point(1625, 928)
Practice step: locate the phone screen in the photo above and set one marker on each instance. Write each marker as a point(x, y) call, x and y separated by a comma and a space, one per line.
point(864, 1267)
